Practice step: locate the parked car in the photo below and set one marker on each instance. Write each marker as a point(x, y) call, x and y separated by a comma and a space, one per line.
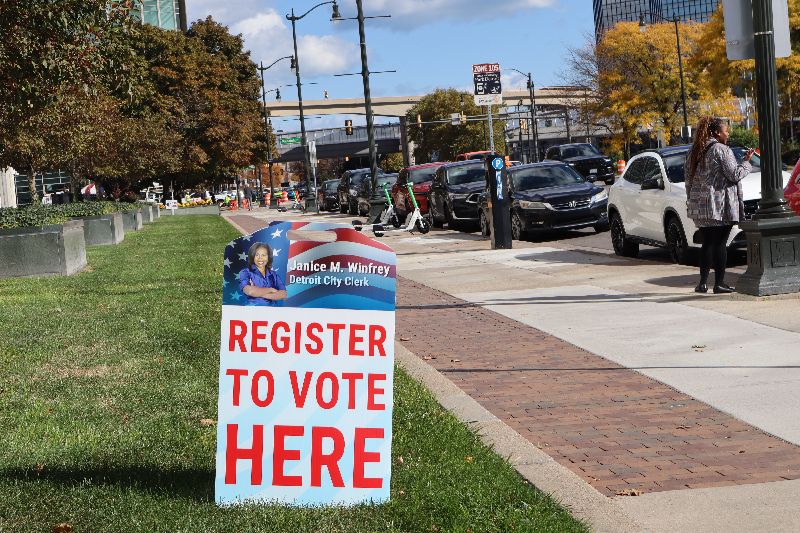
point(348, 188)
point(469, 156)
point(792, 190)
point(327, 195)
point(647, 205)
point(550, 196)
point(365, 191)
point(453, 197)
point(421, 176)
point(584, 158)
point(220, 196)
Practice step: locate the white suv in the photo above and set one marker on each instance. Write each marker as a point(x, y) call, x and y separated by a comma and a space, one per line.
point(647, 204)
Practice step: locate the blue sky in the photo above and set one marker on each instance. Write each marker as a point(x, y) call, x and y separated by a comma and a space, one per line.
point(431, 43)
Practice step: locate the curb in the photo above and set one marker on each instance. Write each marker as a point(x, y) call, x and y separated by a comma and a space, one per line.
point(583, 501)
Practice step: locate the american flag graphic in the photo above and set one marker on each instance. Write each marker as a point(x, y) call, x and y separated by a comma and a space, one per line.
point(365, 268)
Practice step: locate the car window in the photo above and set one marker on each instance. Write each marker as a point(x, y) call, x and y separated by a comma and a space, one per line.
point(526, 179)
point(331, 186)
point(674, 165)
point(357, 179)
point(635, 172)
point(652, 170)
point(422, 175)
point(579, 150)
point(466, 174)
point(386, 179)
point(552, 153)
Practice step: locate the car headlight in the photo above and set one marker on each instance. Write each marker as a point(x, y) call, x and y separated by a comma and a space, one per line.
point(455, 196)
point(533, 205)
point(600, 197)
point(353, 192)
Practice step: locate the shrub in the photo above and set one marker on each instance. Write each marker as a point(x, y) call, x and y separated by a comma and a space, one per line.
point(11, 217)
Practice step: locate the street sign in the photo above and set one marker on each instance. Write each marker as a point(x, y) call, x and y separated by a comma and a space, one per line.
point(312, 153)
point(486, 78)
point(289, 140)
point(497, 163)
point(455, 119)
point(739, 38)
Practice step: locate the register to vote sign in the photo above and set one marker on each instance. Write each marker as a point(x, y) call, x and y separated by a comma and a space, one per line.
point(305, 383)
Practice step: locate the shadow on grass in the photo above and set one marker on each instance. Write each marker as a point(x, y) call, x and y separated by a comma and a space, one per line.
point(194, 484)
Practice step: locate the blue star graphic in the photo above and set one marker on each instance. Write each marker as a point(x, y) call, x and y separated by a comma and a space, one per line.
point(247, 237)
point(236, 296)
point(277, 233)
point(227, 262)
point(243, 256)
point(224, 283)
point(276, 252)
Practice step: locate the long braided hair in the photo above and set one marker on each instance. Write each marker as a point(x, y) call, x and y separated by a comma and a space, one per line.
point(706, 128)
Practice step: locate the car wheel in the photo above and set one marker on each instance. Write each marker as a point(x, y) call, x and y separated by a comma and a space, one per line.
point(516, 227)
point(422, 225)
point(600, 227)
point(342, 207)
point(676, 241)
point(352, 209)
point(485, 229)
point(622, 245)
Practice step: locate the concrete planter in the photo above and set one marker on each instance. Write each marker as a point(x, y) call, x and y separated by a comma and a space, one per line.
point(147, 214)
point(103, 229)
point(202, 210)
point(132, 220)
point(56, 250)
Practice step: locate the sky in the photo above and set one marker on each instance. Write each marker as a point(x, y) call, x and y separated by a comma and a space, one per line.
point(430, 43)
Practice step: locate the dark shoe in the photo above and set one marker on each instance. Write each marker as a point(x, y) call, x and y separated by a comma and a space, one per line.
point(723, 288)
point(701, 288)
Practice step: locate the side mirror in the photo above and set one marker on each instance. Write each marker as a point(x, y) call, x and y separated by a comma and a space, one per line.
point(653, 183)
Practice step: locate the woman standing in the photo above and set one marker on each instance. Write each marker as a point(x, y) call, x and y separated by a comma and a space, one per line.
point(714, 194)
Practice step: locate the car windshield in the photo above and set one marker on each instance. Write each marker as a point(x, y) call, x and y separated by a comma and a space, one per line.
point(331, 186)
point(422, 175)
point(579, 150)
point(526, 179)
point(356, 179)
point(386, 179)
point(465, 174)
point(674, 164)
point(755, 161)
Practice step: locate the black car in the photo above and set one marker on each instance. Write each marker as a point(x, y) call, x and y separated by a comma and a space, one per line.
point(550, 196)
point(328, 196)
point(453, 198)
point(584, 158)
point(365, 191)
point(348, 188)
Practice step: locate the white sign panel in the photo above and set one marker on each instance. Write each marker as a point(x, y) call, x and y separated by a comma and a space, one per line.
point(739, 38)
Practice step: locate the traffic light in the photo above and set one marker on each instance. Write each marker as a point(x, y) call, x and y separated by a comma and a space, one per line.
point(523, 125)
point(278, 95)
point(348, 127)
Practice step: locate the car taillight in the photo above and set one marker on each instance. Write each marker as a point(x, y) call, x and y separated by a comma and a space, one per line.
point(422, 187)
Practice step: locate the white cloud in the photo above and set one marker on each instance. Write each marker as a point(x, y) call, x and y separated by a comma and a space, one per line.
point(326, 54)
point(415, 13)
point(511, 79)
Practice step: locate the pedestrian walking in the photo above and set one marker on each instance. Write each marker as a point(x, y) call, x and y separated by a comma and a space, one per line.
point(714, 197)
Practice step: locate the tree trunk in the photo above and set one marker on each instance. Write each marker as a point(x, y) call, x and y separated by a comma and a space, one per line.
point(32, 185)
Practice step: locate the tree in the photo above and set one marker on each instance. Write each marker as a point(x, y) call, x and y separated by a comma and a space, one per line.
point(443, 140)
point(392, 162)
point(49, 48)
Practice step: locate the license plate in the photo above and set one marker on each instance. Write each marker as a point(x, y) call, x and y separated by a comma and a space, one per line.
point(593, 171)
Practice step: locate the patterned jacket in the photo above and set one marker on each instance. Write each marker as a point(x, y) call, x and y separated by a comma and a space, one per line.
point(714, 193)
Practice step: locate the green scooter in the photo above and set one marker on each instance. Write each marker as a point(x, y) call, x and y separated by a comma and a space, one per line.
point(414, 221)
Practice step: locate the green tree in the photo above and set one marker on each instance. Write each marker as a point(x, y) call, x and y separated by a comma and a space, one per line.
point(392, 162)
point(49, 48)
point(443, 138)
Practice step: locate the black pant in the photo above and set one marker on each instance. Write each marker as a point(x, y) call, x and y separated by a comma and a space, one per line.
point(714, 252)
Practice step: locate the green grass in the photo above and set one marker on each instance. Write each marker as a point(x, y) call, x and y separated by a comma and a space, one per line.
point(107, 374)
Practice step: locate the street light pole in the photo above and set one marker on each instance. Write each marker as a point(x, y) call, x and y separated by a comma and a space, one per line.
point(686, 132)
point(533, 119)
point(310, 198)
point(268, 128)
point(773, 235)
point(375, 207)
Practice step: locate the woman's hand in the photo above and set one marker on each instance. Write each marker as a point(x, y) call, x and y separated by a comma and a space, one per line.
point(749, 154)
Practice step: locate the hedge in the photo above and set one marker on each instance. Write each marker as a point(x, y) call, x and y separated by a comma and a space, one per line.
point(42, 215)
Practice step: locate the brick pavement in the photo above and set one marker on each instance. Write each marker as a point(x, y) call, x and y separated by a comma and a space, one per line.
point(612, 426)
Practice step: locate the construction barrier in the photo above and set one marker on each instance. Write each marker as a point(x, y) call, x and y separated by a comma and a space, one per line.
point(620, 166)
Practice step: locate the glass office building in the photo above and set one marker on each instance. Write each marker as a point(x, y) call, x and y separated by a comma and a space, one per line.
point(167, 14)
point(609, 12)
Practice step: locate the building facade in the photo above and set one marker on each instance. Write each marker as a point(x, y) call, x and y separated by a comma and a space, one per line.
point(609, 12)
point(167, 14)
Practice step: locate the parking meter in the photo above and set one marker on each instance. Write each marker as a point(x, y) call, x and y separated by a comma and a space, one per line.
point(498, 202)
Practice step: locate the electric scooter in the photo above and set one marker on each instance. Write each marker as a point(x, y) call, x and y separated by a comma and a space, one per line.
point(414, 220)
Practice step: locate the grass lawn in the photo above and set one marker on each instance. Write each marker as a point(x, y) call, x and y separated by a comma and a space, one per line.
point(106, 376)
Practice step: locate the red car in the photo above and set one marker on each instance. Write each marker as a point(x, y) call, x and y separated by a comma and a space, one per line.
point(422, 177)
point(792, 190)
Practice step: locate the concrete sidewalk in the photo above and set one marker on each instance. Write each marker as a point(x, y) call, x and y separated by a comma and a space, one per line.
point(619, 373)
